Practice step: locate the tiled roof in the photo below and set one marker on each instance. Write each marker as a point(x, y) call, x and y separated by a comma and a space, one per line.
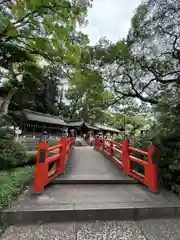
point(43, 118)
point(79, 124)
point(75, 124)
point(106, 128)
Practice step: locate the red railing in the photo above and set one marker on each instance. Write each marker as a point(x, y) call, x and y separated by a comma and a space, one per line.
point(122, 156)
point(59, 156)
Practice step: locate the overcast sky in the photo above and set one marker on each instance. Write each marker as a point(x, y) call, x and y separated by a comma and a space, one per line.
point(110, 18)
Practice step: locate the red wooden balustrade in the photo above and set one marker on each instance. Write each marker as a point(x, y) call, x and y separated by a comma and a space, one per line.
point(43, 175)
point(124, 159)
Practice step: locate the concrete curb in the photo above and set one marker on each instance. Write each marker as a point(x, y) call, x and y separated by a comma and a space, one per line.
point(14, 217)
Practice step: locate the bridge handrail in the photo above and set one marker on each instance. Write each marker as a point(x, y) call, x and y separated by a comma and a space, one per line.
point(42, 175)
point(50, 149)
point(150, 176)
point(138, 151)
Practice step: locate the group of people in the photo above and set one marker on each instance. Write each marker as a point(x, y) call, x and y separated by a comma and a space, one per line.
point(107, 136)
point(89, 137)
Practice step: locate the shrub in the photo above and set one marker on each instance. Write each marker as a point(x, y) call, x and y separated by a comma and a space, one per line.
point(52, 142)
point(13, 183)
point(119, 139)
point(165, 135)
point(6, 133)
point(12, 154)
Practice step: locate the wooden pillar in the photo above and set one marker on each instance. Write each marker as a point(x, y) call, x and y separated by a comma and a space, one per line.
point(49, 130)
point(34, 131)
point(24, 128)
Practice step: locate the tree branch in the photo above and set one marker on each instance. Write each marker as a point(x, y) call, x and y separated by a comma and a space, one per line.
point(6, 101)
point(135, 95)
point(159, 76)
point(42, 6)
point(4, 1)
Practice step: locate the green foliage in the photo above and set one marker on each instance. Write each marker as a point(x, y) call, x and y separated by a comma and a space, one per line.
point(166, 137)
point(12, 153)
point(12, 53)
point(88, 97)
point(137, 67)
point(52, 142)
point(119, 139)
point(143, 143)
point(51, 37)
point(12, 184)
point(167, 140)
point(44, 98)
point(32, 32)
point(6, 134)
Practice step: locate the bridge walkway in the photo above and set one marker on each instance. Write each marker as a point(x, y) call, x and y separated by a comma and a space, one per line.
point(89, 166)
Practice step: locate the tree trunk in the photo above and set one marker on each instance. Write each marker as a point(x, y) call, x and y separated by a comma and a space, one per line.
point(4, 102)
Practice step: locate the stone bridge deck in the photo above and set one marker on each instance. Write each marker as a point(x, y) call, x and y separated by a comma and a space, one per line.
point(89, 166)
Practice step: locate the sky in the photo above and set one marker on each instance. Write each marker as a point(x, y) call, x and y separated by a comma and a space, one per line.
point(110, 19)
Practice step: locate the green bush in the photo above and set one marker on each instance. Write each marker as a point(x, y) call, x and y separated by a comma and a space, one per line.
point(52, 142)
point(138, 167)
point(165, 135)
point(6, 133)
point(119, 139)
point(13, 183)
point(12, 154)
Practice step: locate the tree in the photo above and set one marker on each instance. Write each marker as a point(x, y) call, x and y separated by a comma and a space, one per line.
point(87, 96)
point(155, 41)
point(43, 99)
point(19, 73)
point(146, 63)
point(36, 30)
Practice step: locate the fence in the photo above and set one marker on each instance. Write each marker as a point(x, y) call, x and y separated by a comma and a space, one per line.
point(51, 162)
point(122, 156)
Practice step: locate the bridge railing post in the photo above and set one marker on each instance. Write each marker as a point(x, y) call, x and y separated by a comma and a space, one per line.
point(41, 169)
point(96, 142)
point(71, 142)
point(111, 149)
point(63, 154)
point(58, 163)
point(125, 157)
point(103, 144)
point(152, 171)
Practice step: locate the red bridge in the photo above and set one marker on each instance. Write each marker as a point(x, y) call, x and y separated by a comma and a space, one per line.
point(109, 181)
point(86, 162)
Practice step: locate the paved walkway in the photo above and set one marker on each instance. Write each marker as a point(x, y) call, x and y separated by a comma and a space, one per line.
point(89, 166)
point(159, 229)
